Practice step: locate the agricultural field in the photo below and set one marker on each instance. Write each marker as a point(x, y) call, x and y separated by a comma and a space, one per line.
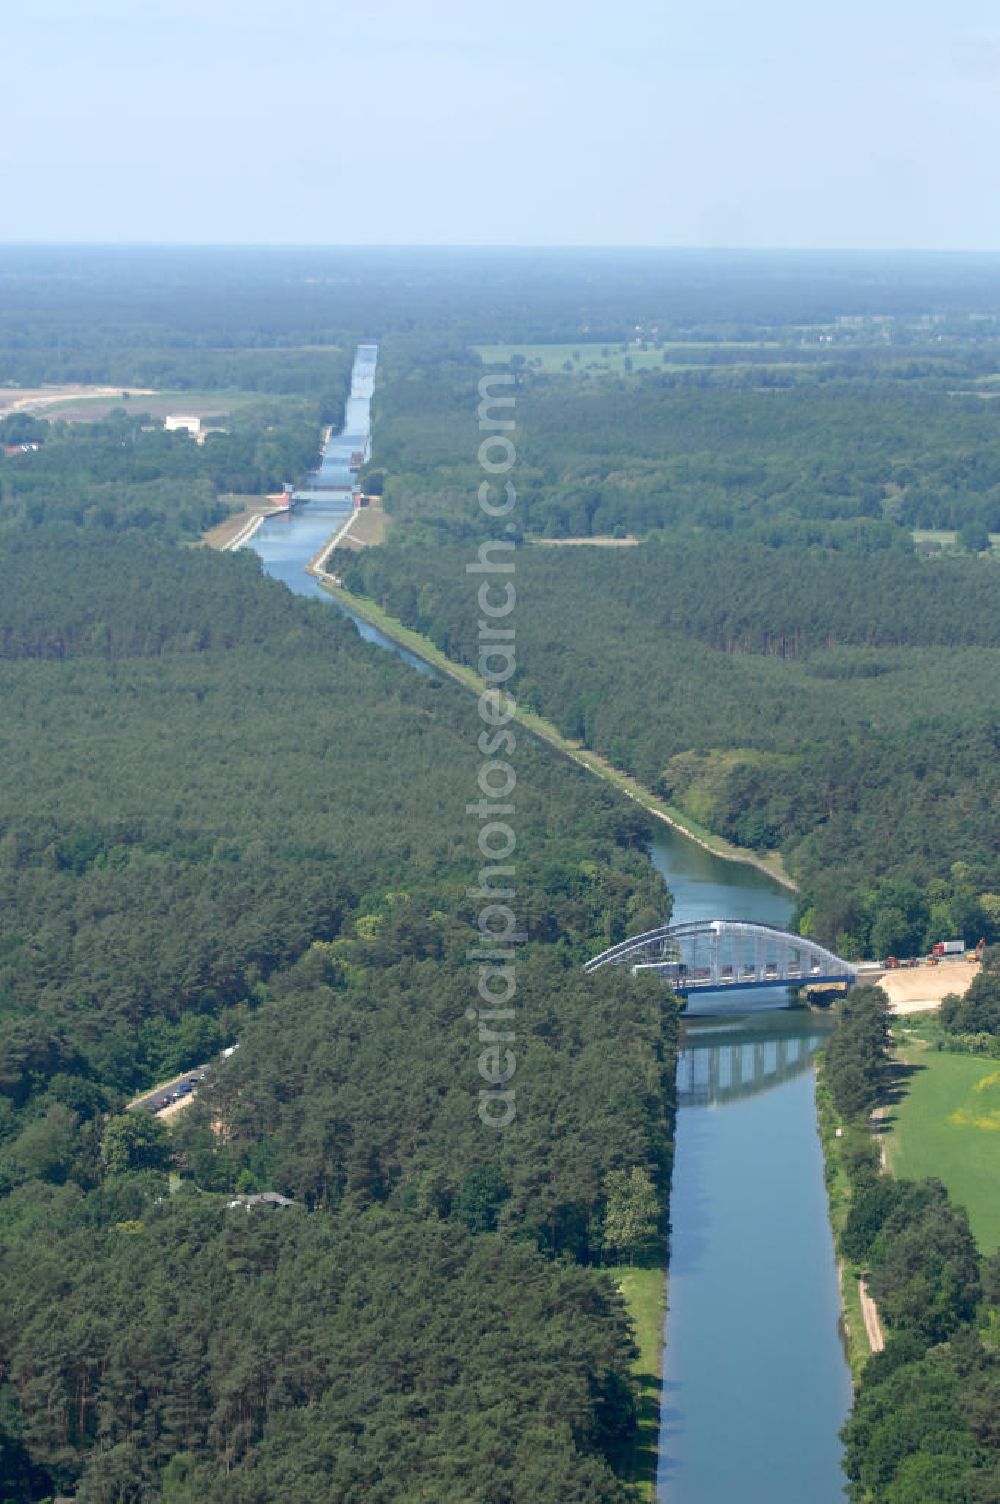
point(947, 538)
point(948, 1125)
point(43, 400)
point(88, 407)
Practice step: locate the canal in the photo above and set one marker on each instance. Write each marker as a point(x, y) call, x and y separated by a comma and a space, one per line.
point(755, 1382)
point(287, 541)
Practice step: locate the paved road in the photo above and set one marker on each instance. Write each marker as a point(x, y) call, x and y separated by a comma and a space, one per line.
point(161, 1096)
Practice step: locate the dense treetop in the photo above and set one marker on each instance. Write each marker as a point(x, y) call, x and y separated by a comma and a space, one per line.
point(195, 850)
point(843, 709)
point(227, 819)
point(126, 472)
point(923, 1424)
point(852, 458)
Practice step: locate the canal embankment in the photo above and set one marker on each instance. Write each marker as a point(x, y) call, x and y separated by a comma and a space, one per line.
point(644, 1291)
point(422, 647)
point(855, 1327)
point(360, 528)
point(236, 530)
point(244, 533)
point(317, 564)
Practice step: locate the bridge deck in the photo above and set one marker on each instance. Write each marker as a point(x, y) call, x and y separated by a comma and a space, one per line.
point(771, 984)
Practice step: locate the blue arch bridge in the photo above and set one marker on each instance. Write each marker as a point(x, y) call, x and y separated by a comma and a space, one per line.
point(727, 955)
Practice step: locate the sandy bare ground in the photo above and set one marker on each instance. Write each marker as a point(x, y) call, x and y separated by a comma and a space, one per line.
point(34, 399)
point(178, 1106)
point(918, 989)
point(367, 528)
point(873, 1326)
point(600, 540)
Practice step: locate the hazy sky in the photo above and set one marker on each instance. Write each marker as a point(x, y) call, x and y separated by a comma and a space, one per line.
point(814, 123)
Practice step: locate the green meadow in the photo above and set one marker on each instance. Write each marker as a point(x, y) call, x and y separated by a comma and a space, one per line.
point(948, 1125)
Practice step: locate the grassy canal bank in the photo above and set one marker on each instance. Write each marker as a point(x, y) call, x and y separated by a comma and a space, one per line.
point(834, 1140)
point(644, 1291)
point(544, 730)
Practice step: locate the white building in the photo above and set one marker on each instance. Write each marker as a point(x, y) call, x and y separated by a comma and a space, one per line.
point(178, 421)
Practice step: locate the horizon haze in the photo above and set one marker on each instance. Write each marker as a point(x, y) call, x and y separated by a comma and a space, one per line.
point(863, 127)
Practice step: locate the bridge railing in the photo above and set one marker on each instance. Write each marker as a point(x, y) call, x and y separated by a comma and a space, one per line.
point(717, 953)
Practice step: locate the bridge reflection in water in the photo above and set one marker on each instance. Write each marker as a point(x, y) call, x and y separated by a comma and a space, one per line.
point(716, 1066)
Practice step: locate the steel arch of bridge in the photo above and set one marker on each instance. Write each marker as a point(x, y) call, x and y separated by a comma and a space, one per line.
point(726, 955)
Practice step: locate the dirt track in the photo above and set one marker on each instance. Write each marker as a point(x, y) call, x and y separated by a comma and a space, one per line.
point(873, 1325)
point(37, 399)
point(602, 540)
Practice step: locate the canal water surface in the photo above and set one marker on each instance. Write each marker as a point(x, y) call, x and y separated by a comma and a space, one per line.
point(755, 1382)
